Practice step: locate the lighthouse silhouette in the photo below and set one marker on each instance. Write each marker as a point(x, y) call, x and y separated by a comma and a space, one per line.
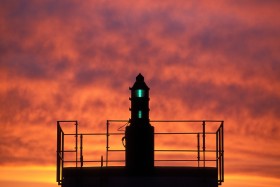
point(139, 135)
point(206, 168)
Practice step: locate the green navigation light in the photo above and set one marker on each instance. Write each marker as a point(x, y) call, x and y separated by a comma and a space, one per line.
point(139, 114)
point(139, 93)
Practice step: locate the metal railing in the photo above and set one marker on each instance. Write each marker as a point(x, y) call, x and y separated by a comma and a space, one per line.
point(201, 151)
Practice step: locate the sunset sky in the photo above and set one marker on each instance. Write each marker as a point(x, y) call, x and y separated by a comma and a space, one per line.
point(73, 59)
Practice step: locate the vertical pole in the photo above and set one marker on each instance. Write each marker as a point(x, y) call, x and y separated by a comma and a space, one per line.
point(58, 152)
point(222, 165)
point(220, 153)
point(76, 143)
point(101, 161)
point(81, 150)
point(203, 140)
point(217, 153)
point(62, 156)
point(107, 142)
point(198, 149)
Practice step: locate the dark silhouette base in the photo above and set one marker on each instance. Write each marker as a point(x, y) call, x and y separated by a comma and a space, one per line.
point(157, 177)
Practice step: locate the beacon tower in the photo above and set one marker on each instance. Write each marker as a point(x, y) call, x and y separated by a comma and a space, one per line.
point(139, 135)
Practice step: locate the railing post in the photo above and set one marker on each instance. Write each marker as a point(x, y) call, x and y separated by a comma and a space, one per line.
point(198, 149)
point(76, 124)
point(203, 140)
point(217, 153)
point(107, 142)
point(58, 151)
point(101, 164)
point(220, 153)
point(62, 154)
point(81, 150)
point(222, 165)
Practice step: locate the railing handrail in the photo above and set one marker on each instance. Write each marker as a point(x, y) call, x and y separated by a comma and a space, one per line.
point(201, 147)
point(205, 120)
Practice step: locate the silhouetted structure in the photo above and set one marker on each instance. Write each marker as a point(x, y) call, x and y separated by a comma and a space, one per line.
point(200, 166)
point(139, 135)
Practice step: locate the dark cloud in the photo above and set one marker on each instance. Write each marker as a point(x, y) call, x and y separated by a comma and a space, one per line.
point(199, 94)
point(12, 103)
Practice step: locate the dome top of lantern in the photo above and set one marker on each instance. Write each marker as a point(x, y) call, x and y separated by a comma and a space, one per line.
point(140, 83)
